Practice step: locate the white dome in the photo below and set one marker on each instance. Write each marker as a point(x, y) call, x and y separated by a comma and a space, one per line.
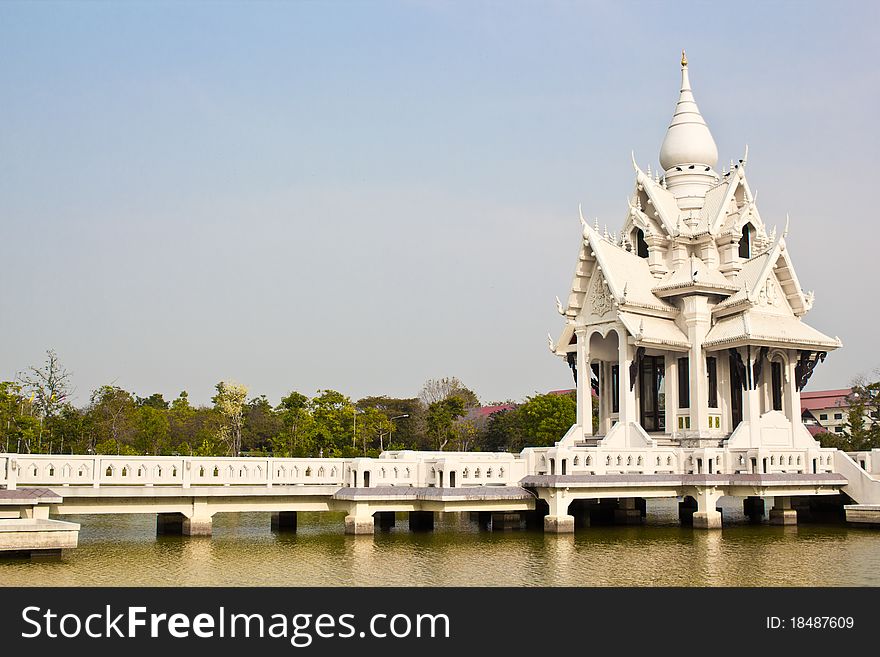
point(688, 140)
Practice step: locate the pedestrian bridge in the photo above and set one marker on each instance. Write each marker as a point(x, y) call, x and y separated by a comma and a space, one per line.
point(553, 483)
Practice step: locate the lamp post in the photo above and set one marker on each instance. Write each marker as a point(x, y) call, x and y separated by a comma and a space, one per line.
point(354, 411)
point(391, 430)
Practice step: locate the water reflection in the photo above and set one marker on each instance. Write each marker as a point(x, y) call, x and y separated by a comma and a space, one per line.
point(124, 551)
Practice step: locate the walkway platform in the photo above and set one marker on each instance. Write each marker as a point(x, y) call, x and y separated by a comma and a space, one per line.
point(25, 526)
point(863, 514)
point(673, 485)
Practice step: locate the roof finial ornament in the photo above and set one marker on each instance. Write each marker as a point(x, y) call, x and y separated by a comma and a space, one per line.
point(785, 230)
point(684, 59)
point(550, 344)
point(559, 307)
point(596, 224)
point(581, 215)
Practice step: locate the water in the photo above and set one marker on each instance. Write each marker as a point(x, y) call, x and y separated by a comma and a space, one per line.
point(123, 550)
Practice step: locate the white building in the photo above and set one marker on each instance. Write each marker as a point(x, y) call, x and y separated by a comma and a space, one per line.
point(690, 317)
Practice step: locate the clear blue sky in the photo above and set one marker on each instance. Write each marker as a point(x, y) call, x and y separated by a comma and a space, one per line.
point(365, 195)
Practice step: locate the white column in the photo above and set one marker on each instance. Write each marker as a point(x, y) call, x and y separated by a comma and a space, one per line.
point(584, 390)
point(671, 377)
point(628, 411)
point(697, 318)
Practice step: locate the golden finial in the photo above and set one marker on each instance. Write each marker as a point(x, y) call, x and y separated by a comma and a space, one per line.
point(684, 59)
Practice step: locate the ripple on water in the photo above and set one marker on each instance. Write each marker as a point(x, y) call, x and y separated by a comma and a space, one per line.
point(123, 550)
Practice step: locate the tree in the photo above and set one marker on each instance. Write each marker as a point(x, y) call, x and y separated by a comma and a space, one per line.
point(545, 419)
point(440, 417)
point(20, 426)
point(152, 429)
point(156, 400)
point(334, 415)
point(862, 427)
point(229, 403)
point(49, 385)
point(436, 390)
point(261, 424)
point(296, 437)
point(111, 414)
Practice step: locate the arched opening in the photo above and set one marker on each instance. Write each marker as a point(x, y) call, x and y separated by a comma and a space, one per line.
point(452, 479)
point(366, 479)
point(746, 240)
point(641, 246)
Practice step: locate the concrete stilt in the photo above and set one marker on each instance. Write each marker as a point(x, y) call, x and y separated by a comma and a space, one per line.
point(559, 524)
point(284, 521)
point(357, 525)
point(558, 521)
point(782, 513)
point(421, 521)
point(707, 516)
point(198, 526)
point(627, 512)
point(503, 520)
point(385, 519)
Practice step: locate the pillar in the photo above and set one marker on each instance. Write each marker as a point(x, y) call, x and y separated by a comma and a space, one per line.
point(627, 393)
point(284, 521)
point(584, 389)
point(502, 520)
point(356, 525)
point(36, 512)
point(670, 365)
point(484, 519)
point(782, 513)
point(706, 515)
point(198, 522)
point(627, 512)
point(359, 520)
point(421, 521)
point(791, 396)
point(557, 521)
point(697, 318)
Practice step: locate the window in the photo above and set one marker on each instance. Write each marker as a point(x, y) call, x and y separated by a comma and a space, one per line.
point(712, 374)
point(745, 242)
point(776, 380)
point(684, 384)
point(823, 416)
point(615, 388)
point(838, 416)
point(838, 429)
point(641, 244)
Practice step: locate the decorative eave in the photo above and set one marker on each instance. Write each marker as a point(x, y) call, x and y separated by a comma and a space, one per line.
point(648, 331)
point(661, 199)
point(762, 329)
point(775, 259)
point(680, 289)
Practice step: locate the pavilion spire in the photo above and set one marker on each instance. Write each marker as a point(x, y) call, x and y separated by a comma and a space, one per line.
point(688, 140)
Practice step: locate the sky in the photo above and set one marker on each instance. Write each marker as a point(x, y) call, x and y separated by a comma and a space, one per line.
point(365, 195)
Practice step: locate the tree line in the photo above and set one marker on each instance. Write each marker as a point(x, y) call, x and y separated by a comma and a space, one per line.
point(861, 431)
point(37, 416)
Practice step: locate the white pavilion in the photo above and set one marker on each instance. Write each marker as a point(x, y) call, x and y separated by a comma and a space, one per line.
point(688, 323)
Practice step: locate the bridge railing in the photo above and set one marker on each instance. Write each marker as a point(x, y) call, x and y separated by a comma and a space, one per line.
point(186, 471)
point(602, 460)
